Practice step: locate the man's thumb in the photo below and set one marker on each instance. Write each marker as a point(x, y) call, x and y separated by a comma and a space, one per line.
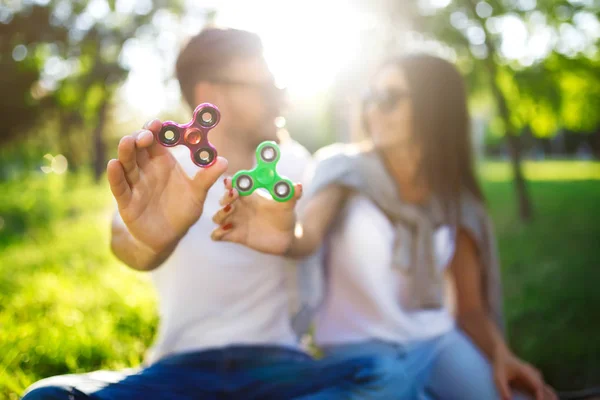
point(206, 177)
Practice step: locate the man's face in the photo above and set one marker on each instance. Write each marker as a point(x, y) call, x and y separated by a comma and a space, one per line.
point(249, 100)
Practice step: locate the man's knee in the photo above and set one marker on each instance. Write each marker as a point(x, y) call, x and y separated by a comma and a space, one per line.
point(60, 387)
point(48, 392)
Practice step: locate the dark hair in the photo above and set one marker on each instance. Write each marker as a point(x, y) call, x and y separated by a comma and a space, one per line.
point(211, 51)
point(441, 127)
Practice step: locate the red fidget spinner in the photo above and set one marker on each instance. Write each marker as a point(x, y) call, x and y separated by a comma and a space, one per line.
point(193, 135)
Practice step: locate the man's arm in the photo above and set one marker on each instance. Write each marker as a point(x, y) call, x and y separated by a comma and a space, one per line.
point(132, 252)
point(156, 199)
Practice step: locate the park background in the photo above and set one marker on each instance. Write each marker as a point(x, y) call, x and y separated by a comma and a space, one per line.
point(76, 75)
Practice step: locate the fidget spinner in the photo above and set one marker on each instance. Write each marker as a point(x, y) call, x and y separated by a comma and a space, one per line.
point(193, 135)
point(264, 175)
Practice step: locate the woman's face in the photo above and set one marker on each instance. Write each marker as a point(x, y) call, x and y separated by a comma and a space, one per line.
point(389, 109)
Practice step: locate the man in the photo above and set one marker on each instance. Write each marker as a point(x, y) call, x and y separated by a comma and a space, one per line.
point(225, 328)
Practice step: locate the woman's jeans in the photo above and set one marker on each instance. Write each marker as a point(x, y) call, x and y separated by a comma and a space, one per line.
point(237, 372)
point(445, 367)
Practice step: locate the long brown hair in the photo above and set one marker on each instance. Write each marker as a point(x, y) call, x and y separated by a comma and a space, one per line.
point(441, 127)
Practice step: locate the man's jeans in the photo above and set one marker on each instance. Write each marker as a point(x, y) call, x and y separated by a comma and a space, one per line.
point(237, 372)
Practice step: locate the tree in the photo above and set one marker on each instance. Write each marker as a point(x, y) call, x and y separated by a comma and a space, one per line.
point(62, 60)
point(529, 94)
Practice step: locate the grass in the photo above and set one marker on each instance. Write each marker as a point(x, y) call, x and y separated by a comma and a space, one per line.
point(551, 268)
point(555, 170)
point(66, 305)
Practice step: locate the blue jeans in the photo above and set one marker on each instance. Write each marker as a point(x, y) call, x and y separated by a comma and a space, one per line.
point(237, 372)
point(445, 367)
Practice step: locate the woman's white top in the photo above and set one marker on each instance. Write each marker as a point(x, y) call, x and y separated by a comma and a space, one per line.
point(364, 293)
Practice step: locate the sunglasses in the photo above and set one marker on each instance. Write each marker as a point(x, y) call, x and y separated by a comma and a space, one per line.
point(386, 100)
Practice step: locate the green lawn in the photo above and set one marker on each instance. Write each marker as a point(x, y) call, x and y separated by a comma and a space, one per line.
point(66, 305)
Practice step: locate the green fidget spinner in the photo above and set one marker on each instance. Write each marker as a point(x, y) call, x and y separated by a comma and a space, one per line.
point(264, 175)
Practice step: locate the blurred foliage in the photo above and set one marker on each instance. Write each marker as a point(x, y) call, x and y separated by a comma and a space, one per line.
point(61, 60)
point(545, 90)
point(555, 87)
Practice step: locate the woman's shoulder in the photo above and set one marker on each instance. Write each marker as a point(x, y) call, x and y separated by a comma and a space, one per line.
point(336, 164)
point(338, 151)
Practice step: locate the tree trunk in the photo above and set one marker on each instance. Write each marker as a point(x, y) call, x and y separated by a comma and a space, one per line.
point(67, 148)
point(99, 146)
point(525, 207)
point(514, 146)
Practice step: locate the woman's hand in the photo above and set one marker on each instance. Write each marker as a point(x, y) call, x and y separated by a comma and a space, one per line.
point(511, 371)
point(256, 221)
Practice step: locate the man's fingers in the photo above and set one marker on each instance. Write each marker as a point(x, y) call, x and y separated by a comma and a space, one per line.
point(144, 138)
point(128, 158)
point(154, 125)
point(206, 177)
point(118, 184)
point(148, 141)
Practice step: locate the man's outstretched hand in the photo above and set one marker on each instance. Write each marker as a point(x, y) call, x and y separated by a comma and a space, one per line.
point(157, 200)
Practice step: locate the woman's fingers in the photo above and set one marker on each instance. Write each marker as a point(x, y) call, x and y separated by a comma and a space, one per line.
point(227, 233)
point(502, 384)
point(532, 380)
point(549, 393)
point(230, 195)
point(228, 183)
point(225, 213)
point(298, 191)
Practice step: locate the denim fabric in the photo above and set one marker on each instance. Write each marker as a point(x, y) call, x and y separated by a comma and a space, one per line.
point(237, 372)
point(446, 367)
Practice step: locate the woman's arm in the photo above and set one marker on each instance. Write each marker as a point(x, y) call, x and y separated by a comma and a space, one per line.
point(473, 317)
point(315, 220)
point(471, 312)
point(271, 227)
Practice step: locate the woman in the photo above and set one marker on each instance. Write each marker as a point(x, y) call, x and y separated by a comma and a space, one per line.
point(403, 219)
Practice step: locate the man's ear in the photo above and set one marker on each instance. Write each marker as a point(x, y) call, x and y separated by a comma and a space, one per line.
point(206, 92)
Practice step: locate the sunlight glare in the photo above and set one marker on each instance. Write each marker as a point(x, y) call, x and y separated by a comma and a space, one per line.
point(304, 48)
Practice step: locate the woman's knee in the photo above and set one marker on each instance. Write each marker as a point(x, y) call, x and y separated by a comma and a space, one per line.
point(460, 370)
